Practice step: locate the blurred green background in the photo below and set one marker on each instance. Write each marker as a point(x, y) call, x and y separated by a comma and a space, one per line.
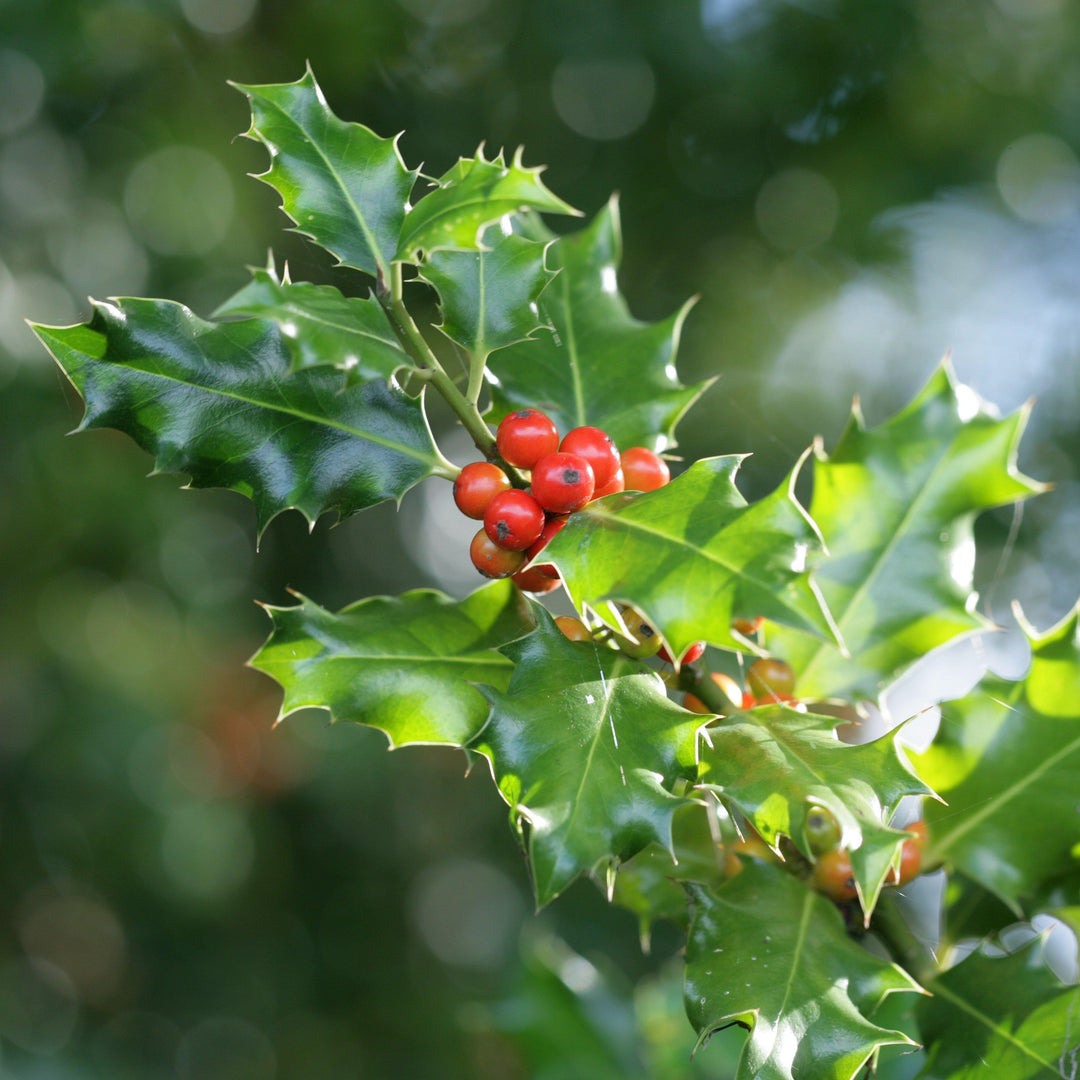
point(852, 189)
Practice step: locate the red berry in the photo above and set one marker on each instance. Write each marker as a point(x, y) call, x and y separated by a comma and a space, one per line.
point(748, 701)
point(833, 875)
point(513, 520)
point(615, 484)
point(643, 470)
point(533, 579)
point(492, 560)
point(525, 436)
point(553, 524)
point(477, 484)
point(596, 447)
point(693, 653)
point(562, 483)
point(746, 627)
point(910, 863)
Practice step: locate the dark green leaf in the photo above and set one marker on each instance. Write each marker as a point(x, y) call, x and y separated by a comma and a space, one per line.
point(220, 403)
point(693, 555)
point(345, 187)
point(402, 664)
point(769, 953)
point(475, 193)
point(1007, 761)
point(602, 367)
point(321, 326)
point(895, 506)
point(1009, 1018)
point(488, 298)
point(775, 763)
point(582, 744)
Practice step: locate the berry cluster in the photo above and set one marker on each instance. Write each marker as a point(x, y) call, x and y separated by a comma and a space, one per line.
point(564, 476)
point(768, 682)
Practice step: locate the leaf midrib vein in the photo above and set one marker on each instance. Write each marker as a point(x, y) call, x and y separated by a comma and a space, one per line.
point(609, 690)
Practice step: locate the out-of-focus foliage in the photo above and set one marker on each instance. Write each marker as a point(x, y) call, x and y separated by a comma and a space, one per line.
point(852, 188)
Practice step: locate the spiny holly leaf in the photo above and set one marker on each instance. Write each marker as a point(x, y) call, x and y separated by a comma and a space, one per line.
point(1007, 761)
point(775, 763)
point(692, 556)
point(488, 298)
point(344, 186)
point(766, 952)
point(220, 403)
point(475, 193)
point(321, 326)
point(402, 664)
point(582, 744)
point(1009, 1017)
point(895, 505)
point(602, 367)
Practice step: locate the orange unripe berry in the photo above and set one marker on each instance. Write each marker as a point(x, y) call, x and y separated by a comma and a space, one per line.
point(494, 561)
point(834, 877)
point(643, 470)
point(573, 628)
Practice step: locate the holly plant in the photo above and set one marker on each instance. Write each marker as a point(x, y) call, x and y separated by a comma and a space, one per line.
point(676, 739)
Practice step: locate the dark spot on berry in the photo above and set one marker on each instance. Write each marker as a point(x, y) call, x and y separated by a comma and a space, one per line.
point(646, 631)
point(571, 476)
point(502, 529)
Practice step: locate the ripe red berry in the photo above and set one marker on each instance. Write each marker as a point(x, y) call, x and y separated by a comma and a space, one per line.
point(693, 653)
point(513, 520)
point(533, 579)
point(562, 483)
point(492, 560)
point(643, 470)
point(596, 447)
point(833, 875)
point(553, 524)
point(477, 484)
point(525, 436)
point(615, 484)
point(770, 679)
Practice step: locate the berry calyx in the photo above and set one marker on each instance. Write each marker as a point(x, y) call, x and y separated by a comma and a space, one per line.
point(525, 436)
point(492, 560)
point(834, 877)
point(821, 829)
point(693, 653)
point(476, 485)
point(770, 679)
point(643, 639)
point(552, 525)
point(597, 448)
point(615, 484)
point(533, 579)
point(562, 483)
point(573, 628)
point(514, 520)
point(730, 690)
point(643, 470)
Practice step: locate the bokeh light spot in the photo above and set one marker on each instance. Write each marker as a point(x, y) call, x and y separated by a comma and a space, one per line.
point(218, 16)
point(603, 98)
point(179, 201)
point(444, 12)
point(225, 1048)
point(38, 1006)
point(797, 209)
point(1039, 178)
point(207, 849)
point(22, 87)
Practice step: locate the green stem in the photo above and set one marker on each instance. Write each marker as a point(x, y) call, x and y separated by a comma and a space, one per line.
point(477, 367)
point(431, 371)
point(701, 685)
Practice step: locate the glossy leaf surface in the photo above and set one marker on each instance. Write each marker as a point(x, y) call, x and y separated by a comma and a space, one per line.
point(321, 326)
point(221, 403)
point(473, 194)
point(488, 298)
point(692, 556)
point(1008, 1017)
point(602, 367)
point(767, 952)
point(1007, 760)
point(584, 745)
point(402, 664)
point(344, 186)
point(895, 505)
point(775, 763)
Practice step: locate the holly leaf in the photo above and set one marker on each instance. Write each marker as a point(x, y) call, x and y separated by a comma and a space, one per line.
point(895, 505)
point(1008, 1017)
point(692, 556)
point(488, 298)
point(775, 763)
point(221, 403)
point(320, 326)
point(468, 198)
point(402, 664)
point(601, 367)
point(582, 745)
point(344, 186)
point(766, 952)
point(1007, 760)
